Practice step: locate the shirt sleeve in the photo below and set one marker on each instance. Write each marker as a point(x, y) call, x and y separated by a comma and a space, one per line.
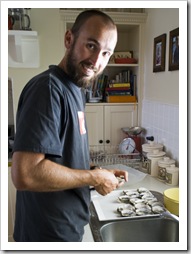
point(38, 119)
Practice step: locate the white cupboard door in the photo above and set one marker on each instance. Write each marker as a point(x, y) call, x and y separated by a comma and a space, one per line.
point(94, 119)
point(11, 207)
point(117, 117)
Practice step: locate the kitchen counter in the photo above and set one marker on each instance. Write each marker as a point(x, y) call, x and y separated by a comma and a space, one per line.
point(149, 182)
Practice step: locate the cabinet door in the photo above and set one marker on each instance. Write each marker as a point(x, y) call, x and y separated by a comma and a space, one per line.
point(94, 118)
point(11, 207)
point(117, 117)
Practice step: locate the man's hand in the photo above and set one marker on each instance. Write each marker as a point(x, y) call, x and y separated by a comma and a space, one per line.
point(108, 180)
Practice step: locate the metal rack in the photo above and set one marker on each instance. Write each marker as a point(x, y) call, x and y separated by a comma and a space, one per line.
point(110, 155)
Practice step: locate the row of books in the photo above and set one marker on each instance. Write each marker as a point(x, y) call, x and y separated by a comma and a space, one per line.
point(120, 92)
point(104, 88)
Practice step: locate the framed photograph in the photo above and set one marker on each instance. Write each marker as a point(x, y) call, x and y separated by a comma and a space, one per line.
point(174, 50)
point(159, 53)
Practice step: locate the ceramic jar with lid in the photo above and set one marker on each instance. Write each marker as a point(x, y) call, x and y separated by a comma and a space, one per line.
point(153, 159)
point(172, 175)
point(149, 148)
point(162, 165)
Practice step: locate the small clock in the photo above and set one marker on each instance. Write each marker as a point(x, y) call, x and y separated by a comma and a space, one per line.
point(127, 146)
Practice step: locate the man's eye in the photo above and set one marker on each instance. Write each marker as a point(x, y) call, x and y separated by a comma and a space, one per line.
point(107, 53)
point(91, 46)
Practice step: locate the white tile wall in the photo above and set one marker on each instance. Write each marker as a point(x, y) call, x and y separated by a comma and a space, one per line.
point(162, 121)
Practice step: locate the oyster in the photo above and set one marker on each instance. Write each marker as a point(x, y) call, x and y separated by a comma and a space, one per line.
point(127, 191)
point(127, 213)
point(151, 201)
point(142, 189)
point(123, 199)
point(158, 209)
point(143, 211)
point(156, 203)
point(136, 200)
point(126, 210)
point(125, 207)
point(142, 205)
point(132, 194)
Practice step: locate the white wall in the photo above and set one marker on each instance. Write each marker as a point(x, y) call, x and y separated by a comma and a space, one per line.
point(160, 111)
point(160, 86)
point(46, 23)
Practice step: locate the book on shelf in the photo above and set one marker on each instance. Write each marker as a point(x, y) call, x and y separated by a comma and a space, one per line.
point(121, 98)
point(118, 91)
point(119, 85)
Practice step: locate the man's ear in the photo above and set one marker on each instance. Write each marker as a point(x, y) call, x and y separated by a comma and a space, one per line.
point(68, 39)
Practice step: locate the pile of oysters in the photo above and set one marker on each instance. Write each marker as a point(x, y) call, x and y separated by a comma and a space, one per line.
point(139, 202)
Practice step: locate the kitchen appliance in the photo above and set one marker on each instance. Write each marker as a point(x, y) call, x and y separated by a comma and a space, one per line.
point(11, 22)
point(20, 18)
point(133, 133)
point(127, 146)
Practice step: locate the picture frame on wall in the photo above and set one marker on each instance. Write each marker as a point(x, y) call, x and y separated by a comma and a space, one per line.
point(174, 50)
point(159, 53)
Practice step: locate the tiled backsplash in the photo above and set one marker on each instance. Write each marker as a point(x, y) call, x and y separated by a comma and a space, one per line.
point(162, 122)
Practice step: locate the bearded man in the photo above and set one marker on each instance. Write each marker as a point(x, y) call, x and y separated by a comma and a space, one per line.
point(50, 163)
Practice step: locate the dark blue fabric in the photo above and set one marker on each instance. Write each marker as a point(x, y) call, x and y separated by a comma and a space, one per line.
point(48, 123)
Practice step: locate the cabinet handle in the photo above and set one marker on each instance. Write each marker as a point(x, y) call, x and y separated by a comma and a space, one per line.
point(107, 141)
point(100, 141)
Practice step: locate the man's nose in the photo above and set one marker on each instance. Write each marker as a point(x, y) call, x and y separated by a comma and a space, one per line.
point(96, 58)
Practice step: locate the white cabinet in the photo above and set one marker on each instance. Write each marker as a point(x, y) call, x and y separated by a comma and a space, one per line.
point(23, 49)
point(11, 206)
point(105, 121)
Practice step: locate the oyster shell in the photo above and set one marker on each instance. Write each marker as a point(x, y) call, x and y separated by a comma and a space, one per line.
point(142, 189)
point(158, 209)
point(139, 202)
point(128, 213)
point(143, 211)
point(126, 210)
point(123, 199)
point(125, 207)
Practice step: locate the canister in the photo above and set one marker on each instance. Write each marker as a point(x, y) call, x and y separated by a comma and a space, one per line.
point(153, 159)
point(172, 175)
point(162, 165)
point(149, 148)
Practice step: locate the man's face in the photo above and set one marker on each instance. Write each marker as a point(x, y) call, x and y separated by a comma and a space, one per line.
point(89, 53)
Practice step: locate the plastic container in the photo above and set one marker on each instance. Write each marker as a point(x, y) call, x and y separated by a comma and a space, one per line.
point(172, 175)
point(171, 200)
point(162, 165)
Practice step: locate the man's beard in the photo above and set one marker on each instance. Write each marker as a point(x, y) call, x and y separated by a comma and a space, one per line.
point(76, 75)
